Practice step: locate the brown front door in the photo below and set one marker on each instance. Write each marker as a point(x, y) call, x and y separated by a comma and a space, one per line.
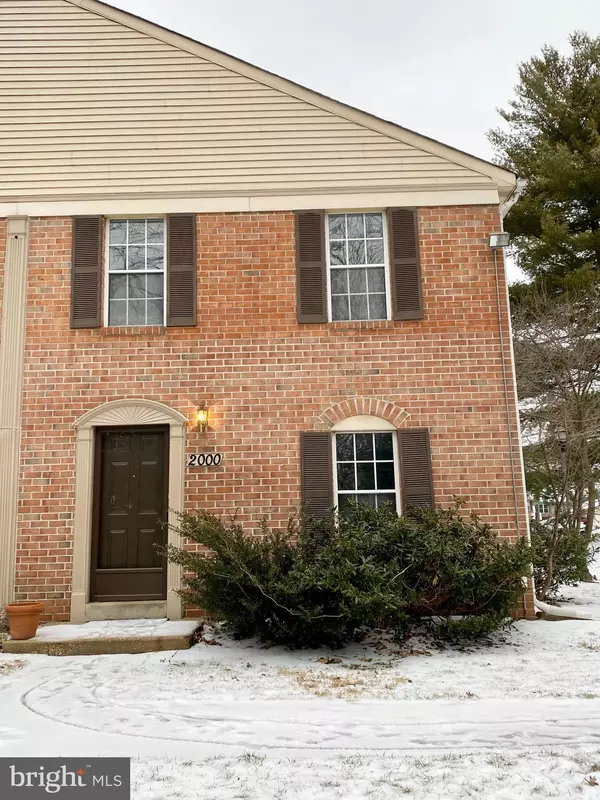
point(130, 511)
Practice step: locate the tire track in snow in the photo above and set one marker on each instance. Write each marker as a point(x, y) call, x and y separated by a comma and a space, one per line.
point(72, 696)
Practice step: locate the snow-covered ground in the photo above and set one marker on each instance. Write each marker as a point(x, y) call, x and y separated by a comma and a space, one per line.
point(230, 721)
point(583, 599)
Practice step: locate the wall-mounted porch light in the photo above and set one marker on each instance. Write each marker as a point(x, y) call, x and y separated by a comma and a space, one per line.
point(201, 418)
point(499, 240)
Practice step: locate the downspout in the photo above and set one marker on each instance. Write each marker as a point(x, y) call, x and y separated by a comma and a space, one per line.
point(504, 209)
point(506, 392)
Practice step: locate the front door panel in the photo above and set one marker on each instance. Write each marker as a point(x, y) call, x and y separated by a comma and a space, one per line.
point(131, 509)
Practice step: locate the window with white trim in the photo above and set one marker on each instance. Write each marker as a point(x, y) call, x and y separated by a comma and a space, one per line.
point(136, 272)
point(365, 469)
point(356, 259)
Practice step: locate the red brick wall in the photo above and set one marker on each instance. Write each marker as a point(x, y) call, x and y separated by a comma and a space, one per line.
point(265, 377)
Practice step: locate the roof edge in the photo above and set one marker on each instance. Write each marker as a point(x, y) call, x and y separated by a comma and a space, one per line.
point(504, 178)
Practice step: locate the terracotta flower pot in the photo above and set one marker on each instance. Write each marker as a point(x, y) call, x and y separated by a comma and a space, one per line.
point(24, 618)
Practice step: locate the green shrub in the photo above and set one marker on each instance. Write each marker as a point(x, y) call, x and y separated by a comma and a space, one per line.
point(326, 581)
point(560, 557)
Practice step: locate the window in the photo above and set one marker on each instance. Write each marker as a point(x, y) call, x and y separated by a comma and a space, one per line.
point(357, 273)
point(544, 507)
point(136, 272)
point(365, 468)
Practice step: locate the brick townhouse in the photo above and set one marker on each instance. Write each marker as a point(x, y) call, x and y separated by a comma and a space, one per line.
point(222, 290)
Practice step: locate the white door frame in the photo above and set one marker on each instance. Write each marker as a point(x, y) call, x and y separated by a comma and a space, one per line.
point(129, 412)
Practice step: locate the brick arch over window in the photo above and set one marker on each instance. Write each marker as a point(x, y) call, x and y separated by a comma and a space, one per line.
point(364, 406)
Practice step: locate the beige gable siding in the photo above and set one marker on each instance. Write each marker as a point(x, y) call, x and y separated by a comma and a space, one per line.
point(91, 108)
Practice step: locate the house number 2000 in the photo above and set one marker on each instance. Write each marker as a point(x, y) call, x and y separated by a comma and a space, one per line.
point(204, 459)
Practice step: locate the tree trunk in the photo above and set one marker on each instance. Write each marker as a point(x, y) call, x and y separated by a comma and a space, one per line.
point(545, 588)
point(589, 525)
point(591, 510)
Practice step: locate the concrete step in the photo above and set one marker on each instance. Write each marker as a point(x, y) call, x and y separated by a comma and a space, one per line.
point(107, 637)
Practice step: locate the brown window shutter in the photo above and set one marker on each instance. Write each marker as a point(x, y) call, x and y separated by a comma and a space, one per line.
point(181, 270)
point(317, 478)
point(407, 297)
point(311, 267)
point(86, 283)
point(415, 468)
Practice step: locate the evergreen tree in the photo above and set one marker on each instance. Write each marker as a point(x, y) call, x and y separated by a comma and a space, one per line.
point(553, 141)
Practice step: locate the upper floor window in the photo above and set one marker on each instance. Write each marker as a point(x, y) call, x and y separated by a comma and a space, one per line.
point(356, 257)
point(362, 265)
point(136, 272)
